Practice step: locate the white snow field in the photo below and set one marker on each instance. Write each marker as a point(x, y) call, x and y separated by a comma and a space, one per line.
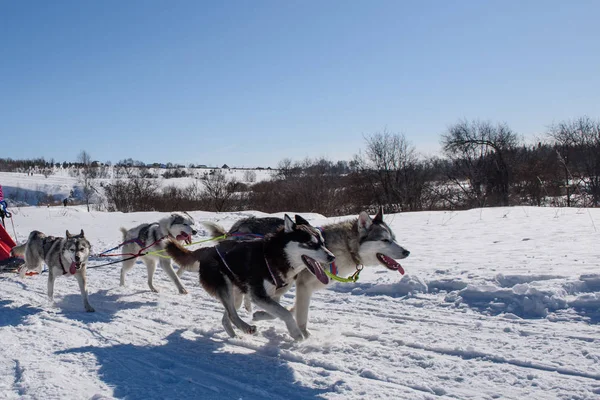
point(495, 303)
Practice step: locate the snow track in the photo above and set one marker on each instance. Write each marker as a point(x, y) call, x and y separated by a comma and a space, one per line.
point(367, 341)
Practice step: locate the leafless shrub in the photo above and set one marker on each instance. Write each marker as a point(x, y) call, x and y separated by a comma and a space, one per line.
point(86, 174)
point(219, 191)
point(305, 186)
point(249, 176)
point(175, 173)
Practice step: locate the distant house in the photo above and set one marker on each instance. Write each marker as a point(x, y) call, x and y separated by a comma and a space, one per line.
point(225, 166)
point(202, 166)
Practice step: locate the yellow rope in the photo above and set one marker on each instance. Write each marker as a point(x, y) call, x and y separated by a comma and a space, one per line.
point(158, 252)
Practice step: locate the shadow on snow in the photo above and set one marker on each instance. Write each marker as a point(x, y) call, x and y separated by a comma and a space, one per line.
point(13, 316)
point(195, 369)
point(106, 306)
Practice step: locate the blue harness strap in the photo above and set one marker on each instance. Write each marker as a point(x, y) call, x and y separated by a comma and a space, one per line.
point(3, 205)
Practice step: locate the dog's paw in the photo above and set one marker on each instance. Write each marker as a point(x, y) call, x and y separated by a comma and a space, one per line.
point(251, 329)
point(295, 332)
point(305, 333)
point(153, 289)
point(89, 308)
point(183, 291)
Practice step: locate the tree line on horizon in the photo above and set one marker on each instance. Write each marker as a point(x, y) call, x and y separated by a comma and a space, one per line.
point(483, 164)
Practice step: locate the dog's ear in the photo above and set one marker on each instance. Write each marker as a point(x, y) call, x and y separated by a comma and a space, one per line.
point(364, 222)
point(301, 221)
point(288, 224)
point(81, 234)
point(68, 235)
point(379, 217)
point(191, 218)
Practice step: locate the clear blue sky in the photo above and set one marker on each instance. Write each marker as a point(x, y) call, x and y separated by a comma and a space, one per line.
point(249, 83)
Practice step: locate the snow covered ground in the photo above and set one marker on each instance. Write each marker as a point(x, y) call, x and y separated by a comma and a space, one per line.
point(496, 303)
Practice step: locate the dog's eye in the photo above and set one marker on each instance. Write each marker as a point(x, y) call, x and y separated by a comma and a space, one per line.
point(72, 250)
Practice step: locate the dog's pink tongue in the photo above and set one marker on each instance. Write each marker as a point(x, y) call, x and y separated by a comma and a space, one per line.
point(183, 237)
point(391, 263)
point(316, 269)
point(73, 268)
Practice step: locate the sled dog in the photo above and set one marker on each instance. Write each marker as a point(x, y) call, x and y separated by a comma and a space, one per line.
point(63, 256)
point(260, 269)
point(245, 229)
point(355, 243)
point(255, 226)
point(177, 225)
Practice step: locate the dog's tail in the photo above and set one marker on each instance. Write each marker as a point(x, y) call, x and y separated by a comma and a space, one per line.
point(214, 229)
point(18, 250)
point(124, 231)
point(180, 254)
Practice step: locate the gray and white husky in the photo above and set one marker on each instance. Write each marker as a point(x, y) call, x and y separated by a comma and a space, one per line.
point(258, 269)
point(355, 243)
point(63, 256)
point(179, 226)
point(255, 226)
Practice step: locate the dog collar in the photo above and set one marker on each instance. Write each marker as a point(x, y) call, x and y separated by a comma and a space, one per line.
point(351, 279)
point(333, 270)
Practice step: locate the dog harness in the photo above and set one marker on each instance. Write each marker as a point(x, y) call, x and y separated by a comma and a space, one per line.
point(65, 272)
point(275, 277)
point(62, 265)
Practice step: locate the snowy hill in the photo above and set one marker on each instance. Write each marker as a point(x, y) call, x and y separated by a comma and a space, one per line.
point(496, 303)
point(36, 188)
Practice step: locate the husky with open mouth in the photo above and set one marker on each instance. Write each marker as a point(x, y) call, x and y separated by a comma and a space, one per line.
point(355, 243)
point(63, 256)
point(153, 237)
point(261, 269)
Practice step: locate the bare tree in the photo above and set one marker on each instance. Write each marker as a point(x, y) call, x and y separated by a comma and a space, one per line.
point(391, 167)
point(220, 191)
point(480, 152)
point(86, 174)
point(249, 176)
point(577, 144)
point(286, 169)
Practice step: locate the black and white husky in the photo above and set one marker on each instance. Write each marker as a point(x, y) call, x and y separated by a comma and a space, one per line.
point(153, 237)
point(63, 256)
point(355, 243)
point(260, 269)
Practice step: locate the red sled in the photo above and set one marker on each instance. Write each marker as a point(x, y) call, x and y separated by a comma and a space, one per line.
point(6, 244)
point(7, 263)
